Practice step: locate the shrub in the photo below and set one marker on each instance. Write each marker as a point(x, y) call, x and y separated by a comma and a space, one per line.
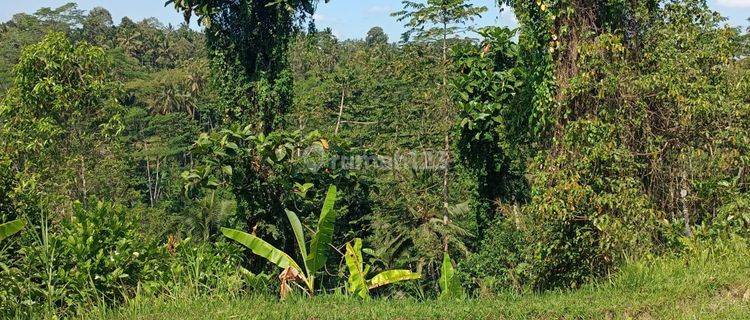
point(269, 174)
point(586, 214)
point(96, 256)
point(587, 210)
point(204, 268)
point(499, 262)
point(731, 219)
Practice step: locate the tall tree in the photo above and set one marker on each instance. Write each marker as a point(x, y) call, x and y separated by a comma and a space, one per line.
point(26, 29)
point(439, 20)
point(247, 43)
point(98, 26)
point(376, 36)
point(59, 118)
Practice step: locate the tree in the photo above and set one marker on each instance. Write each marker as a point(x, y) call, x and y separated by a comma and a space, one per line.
point(67, 15)
point(275, 180)
point(376, 36)
point(247, 44)
point(620, 120)
point(97, 26)
point(62, 106)
point(493, 124)
point(437, 20)
point(26, 29)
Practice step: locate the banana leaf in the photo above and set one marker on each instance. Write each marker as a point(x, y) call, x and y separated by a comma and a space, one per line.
point(262, 248)
point(353, 256)
point(450, 286)
point(392, 276)
point(322, 239)
point(10, 228)
point(299, 236)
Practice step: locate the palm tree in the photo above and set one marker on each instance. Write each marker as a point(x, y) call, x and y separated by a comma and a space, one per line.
point(206, 216)
point(166, 101)
point(131, 42)
point(172, 99)
point(196, 82)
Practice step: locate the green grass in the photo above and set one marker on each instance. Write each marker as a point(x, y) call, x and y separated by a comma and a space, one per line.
point(706, 286)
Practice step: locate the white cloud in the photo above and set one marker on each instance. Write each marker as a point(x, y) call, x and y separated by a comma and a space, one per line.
point(319, 17)
point(380, 9)
point(734, 3)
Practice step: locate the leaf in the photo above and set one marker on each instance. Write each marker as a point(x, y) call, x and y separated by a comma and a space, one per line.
point(370, 251)
point(459, 209)
point(227, 170)
point(232, 145)
point(297, 228)
point(324, 235)
point(280, 154)
point(190, 175)
point(303, 189)
point(357, 284)
point(286, 276)
point(255, 281)
point(213, 183)
point(10, 228)
point(464, 96)
point(261, 248)
point(392, 276)
point(450, 286)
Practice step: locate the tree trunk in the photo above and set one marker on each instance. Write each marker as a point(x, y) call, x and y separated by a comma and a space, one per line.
point(149, 183)
point(685, 204)
point(341, 111)
point(83, 180)
point(447, 113)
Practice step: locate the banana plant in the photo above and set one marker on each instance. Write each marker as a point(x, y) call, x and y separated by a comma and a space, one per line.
point(357, 282)
point(450, 286)
point(314, 259)
point(10, 228)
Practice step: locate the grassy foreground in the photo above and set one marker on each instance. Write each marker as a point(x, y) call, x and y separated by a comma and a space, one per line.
point(709, 285)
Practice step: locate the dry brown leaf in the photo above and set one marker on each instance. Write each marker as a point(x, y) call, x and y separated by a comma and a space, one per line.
point(288, 275)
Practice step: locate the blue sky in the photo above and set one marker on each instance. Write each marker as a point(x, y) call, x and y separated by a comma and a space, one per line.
point(347, 18)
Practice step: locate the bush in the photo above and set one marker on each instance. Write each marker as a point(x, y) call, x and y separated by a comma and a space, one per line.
point(586, 214)
point(96, 256)
point(731, 220)
point(202, 267)
point(499, 264)
point(734, 217)
point(107, 253)
point(587, 210)
point(16, 202)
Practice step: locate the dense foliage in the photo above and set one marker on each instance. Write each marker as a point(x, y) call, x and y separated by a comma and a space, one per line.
point(462, 162)
point(640, 139)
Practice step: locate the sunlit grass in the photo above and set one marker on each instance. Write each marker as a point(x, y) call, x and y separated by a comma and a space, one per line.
point(708, 285)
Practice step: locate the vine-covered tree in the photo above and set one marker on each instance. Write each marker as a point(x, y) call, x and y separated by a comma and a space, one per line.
point(247, 45)
point(604, 111)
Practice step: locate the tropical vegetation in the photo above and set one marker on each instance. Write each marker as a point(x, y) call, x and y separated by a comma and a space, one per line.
point(592, 163)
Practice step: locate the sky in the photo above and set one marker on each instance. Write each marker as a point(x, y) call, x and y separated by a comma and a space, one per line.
point(349, 19)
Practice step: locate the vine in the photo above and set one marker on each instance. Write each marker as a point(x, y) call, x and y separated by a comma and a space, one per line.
point(247, 41)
